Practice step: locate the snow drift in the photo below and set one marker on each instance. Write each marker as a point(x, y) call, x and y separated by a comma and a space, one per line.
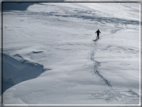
point(60, 36)
point(15, 71)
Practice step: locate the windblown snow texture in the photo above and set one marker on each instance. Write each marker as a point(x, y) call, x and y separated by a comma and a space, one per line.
point(77, 68)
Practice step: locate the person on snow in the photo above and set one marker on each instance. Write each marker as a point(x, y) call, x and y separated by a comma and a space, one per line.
point(98, 32)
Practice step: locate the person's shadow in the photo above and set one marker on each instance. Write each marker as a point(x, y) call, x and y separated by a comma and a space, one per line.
point(95, 40)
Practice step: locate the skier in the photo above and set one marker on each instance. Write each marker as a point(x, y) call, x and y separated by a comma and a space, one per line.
point(98, 32)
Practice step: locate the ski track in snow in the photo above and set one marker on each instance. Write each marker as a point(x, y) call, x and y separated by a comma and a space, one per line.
point(97, 64)
point(109, 94)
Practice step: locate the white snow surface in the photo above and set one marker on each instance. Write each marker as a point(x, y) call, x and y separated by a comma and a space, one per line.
point(78, 68)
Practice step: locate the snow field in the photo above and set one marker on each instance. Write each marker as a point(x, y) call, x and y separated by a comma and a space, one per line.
point(77, 70)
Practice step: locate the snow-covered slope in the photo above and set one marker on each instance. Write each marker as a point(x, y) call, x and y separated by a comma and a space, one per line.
point(15, 71)
point(61, 37)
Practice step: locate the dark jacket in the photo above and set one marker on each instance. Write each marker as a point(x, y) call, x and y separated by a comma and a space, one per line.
point(98, 32)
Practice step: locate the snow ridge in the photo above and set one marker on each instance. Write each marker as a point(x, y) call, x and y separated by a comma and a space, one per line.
point(97, 64)
point(15, 71)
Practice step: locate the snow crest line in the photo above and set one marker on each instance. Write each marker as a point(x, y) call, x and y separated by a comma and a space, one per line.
point(96, 64)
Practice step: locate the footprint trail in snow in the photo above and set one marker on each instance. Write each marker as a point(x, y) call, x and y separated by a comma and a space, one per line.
point(97, 64)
